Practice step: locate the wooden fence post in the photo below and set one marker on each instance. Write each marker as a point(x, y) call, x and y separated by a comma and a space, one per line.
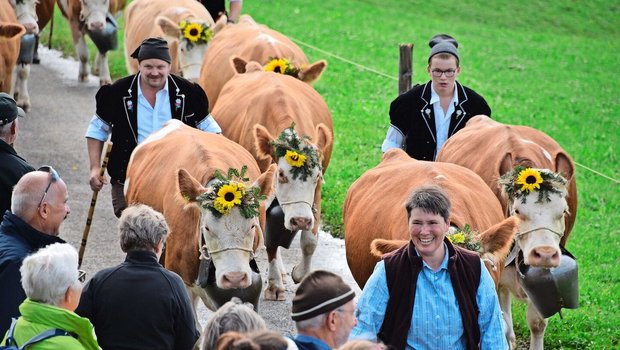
point(405, 68)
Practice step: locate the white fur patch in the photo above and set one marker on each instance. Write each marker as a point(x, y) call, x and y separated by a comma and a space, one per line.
point(268, 38)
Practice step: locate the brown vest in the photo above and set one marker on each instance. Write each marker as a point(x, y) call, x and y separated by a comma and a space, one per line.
point(402, 268)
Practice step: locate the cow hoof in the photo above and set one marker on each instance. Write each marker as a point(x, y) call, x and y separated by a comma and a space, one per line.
point(25, 105)
point(274, 293)
point(83, 78)
point(103, 82)
point(296, 275)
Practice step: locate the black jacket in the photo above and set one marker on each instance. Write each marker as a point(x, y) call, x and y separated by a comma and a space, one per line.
point(139, 305)
point(17, 240)
point(413, 115)
point(117, 106)
point(12, 168)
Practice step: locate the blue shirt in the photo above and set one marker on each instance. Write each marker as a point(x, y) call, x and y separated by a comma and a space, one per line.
point(437, 322)
point(306, 342)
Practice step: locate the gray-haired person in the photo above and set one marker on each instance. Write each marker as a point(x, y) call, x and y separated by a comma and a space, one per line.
point(53, 285)
point(139, 304)
point(232, 316)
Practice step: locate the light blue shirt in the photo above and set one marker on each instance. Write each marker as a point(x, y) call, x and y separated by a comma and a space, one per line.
point(150, 118)
point(437, 322)
point(442, 120)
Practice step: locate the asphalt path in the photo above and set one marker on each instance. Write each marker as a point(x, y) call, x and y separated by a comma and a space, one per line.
point(53, 134)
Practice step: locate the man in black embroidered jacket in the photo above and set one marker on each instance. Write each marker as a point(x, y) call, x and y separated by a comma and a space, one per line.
point(423, 118)
point(137, 105)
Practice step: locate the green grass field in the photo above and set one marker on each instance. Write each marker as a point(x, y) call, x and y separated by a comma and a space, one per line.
point(546, 64)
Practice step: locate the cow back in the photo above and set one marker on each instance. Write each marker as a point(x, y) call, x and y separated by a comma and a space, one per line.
point(251, 42)
point(375, 204)
point(484, 145)
point(10, 35)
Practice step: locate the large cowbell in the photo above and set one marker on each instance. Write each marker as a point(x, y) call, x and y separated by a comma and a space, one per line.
point(105, 39)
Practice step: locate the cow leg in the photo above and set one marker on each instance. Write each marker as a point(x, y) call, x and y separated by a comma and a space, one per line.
point(281, 266)
point(307, 242)
point(504, 303)
point(275, 285)
point(101, 62)
point(21, 86)
point(537, 325)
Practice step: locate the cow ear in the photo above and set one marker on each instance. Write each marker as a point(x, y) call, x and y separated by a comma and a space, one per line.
point(564, 165)
point(498, 238)
point(221, 23)
point(189, 187)
point(238, 64)
point(396, 154)
point(323, 137)
point(312, 73)
point(262, 142)
point(11, 30)
point(380, 247)
point(506, 164)
point(265, 180)
point(247, 19)
point(169, 28)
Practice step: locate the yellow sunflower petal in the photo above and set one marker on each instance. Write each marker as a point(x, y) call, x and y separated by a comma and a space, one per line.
point(529, 179)
point(295, 159)
point(192, 32)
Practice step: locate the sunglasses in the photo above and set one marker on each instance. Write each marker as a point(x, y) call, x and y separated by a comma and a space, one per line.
point(81, 276)
point(53, 178)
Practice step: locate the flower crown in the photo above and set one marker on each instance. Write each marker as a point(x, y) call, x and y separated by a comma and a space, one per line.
point(465, 238)
point(224, 193)
point(521, 181)
point(195, 33)
point(282, 66)
point(301, 156)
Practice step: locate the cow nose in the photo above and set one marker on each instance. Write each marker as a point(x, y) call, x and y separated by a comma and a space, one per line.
point(95, 26)
point(300, 223)
point(544, 257)
point(31, 28)
point(235, 280)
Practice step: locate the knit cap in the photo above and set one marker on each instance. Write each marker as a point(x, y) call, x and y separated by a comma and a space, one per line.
point(152, 48)
point(443, 43)
point(320, 292)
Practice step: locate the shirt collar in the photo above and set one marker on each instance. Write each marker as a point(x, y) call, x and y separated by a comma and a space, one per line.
point(140, 89)
point(444, 262)
point(435, 96)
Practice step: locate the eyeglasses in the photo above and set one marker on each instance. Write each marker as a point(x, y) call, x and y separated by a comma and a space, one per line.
point(53, 178)
point(438, 72)
point(81, 276)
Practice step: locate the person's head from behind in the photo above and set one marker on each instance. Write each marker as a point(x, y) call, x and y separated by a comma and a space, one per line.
point(9, 121)
point(323, 307)
point(40, 198)
point(142, 228)
point(154, 60)
point(50, 276)
point(256, 340)
point(428, 212)
point(443, 63)
point(232, 316)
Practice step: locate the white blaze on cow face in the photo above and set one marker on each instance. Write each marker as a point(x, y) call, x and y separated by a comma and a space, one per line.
point(190, 58)
point(541, 228)
point(26, 13)
point(296, 196)
point(94, 13)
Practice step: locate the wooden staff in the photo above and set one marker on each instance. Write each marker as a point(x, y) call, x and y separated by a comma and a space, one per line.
point(93, 201)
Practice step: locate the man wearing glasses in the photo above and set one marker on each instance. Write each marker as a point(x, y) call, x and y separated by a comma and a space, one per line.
point(423, 118)
point(38, 208)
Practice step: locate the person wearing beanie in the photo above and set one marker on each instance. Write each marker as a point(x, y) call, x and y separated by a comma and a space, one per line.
point(430, 294)
point(323, 311)
point(423, 118)
point(134, 107)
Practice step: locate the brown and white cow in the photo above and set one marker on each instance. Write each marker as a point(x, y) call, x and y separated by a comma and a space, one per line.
point(90, 15)
point(168, 171)
point(26, 12)
point(10, 33)
point(251, 42)
point(492, 149)
point(374, 214)
point(162, 18)
point(254, 109)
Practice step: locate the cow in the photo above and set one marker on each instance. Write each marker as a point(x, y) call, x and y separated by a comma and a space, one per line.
point(492, 150)
point(251, 42)
point(174, 171)
point(375, 219)
point(26, 12)
point(257, 109)
point(185, 24)
point(90, 15)
point(10, 33)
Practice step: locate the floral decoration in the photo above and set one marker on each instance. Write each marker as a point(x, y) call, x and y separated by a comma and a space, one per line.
point(282, 66)
point(529, 179)
point(465, 238)
point(195, 33)
point(299, 154)
point(522, 181)
point(225, 193)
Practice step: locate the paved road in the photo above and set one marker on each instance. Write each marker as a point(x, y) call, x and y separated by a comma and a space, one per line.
point(53, 133)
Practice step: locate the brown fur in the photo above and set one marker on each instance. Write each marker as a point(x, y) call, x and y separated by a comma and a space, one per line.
point(10, 35)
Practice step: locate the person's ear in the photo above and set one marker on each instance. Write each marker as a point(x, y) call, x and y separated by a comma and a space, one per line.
point(14, 127)
point(331, 320)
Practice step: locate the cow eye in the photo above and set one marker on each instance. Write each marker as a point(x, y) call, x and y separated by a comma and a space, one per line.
point(281, 177)
point(206, 228)
point(517, 212)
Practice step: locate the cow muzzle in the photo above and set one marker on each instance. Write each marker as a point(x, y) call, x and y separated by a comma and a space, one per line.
point(299, 215)
point(545, 253)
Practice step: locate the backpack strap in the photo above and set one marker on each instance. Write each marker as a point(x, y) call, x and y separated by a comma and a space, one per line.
point(10, 341)
point(50, 333)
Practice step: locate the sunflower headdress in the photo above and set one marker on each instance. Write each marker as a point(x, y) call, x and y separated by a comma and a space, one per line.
point(465, 237)
point(195, 33)
point(299, 154)
point(225, 193)
point(521, 181)
point(282, 66)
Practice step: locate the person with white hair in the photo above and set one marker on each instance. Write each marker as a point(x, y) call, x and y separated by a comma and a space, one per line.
point(53, 286)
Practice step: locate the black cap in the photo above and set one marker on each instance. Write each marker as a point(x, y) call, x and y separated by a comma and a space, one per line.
point(443, 43)
point(152, 48)
point(8, 109)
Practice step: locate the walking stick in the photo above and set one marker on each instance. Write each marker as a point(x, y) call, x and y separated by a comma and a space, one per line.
point(93, 201)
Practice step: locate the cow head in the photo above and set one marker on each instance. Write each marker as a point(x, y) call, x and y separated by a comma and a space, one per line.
point(229, 223)
point(94, 13)
point(193, 36)
point(538, 198)
point(26, 13)
point(300, 173)
point(308, 73)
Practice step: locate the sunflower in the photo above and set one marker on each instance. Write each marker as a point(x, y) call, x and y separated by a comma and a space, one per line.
point(277, 65)
point(457, 238)
point(228, 196)
point(192, 32)
point(295, 159)
point(529, 179)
